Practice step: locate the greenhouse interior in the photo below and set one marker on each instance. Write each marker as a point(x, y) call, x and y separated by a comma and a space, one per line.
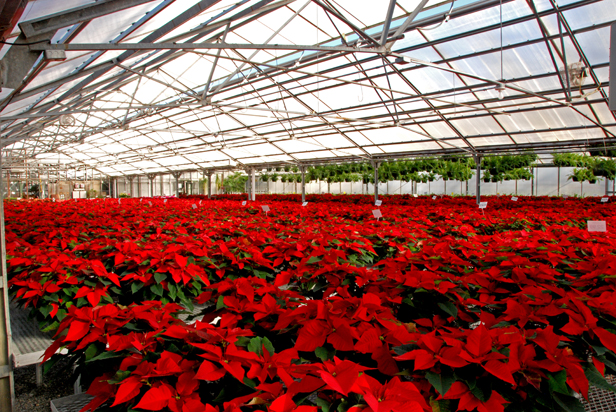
point(307, 206)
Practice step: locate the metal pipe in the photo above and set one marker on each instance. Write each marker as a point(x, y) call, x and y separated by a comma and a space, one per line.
point(303, 170)
point(375, 165)
point(478, 178)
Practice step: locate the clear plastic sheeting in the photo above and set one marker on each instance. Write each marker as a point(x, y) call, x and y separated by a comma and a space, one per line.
point(211, 84)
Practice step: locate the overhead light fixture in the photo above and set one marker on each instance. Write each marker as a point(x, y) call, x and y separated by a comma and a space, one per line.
point(402, 60)
point(500, 88)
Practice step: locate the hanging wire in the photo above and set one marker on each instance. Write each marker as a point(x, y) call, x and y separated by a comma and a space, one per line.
point(501, 39)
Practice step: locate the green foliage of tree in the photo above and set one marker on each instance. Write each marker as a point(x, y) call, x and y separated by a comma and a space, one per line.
point(235, 183)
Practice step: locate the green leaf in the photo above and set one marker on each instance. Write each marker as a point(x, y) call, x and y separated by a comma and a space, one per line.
point(323, 404)
point(51, 327)
point(91, 351)
point(107, 355)
point(157, 289)
point(135, 286)
point(173, 291)
point(220, 397)
point(313, 259)
point(250, 383)
point(268, 346)
point(255, 346)
point(159, 277)
point(449, 308)
point(568, 403)
point(219, 303)
point(321, 353)
point(46, 310)
point(441, 381)
point(596, 379)
point(119, 377)
point(242, 341)
point(558, 382)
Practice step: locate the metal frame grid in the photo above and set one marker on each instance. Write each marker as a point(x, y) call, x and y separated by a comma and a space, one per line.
point(123, 88)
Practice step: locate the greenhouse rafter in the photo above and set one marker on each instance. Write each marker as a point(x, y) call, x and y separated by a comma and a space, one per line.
point(251, 83)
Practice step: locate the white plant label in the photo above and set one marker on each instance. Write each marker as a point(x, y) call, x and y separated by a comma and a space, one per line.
point(415, 195)
point(265, 208)
point(194, 206)
point(244, 203)
point(377, 213)
point(305, 204)
point(483, 205)
point(378, 203)
point(150, 203)
point(140, 200)
point(433, 197)
point(200, 202)
point(597, 226)
point(119, 201)
point(165, 201)
point(514, 199)
point(565, 197)
point(605, 199)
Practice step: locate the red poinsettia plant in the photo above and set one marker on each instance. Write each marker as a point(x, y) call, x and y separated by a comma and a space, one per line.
point(438, 306)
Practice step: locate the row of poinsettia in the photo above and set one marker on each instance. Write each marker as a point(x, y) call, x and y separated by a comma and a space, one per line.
point(438, 306)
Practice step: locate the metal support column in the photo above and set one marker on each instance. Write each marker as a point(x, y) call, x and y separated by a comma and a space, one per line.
point(115, 188)
point(249, 185)
point(138, 186)
point(558, 187)
point(130, 180)
point(177, 175)
point(162, 191)
point(478, 177)
point(375, 165)
point(7, 387)
point(303, 170)
point(209, 185)
point(253, 185)
point(151, 177)
point(532, 183)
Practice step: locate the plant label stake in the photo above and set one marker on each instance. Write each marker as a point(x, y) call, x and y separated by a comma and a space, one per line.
point(378, 203)
point(244, 203)
point(377, 214)
point(605, 199)
point(265, 209)
point(194, 206)
point(433, 197)
point(597, 226)
point(514, 199)
point(304, 204)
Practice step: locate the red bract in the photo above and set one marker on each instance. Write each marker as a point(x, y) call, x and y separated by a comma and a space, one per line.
point(436, 303)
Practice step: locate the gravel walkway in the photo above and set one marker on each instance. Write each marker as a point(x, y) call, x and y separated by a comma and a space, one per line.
point(30, 398)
